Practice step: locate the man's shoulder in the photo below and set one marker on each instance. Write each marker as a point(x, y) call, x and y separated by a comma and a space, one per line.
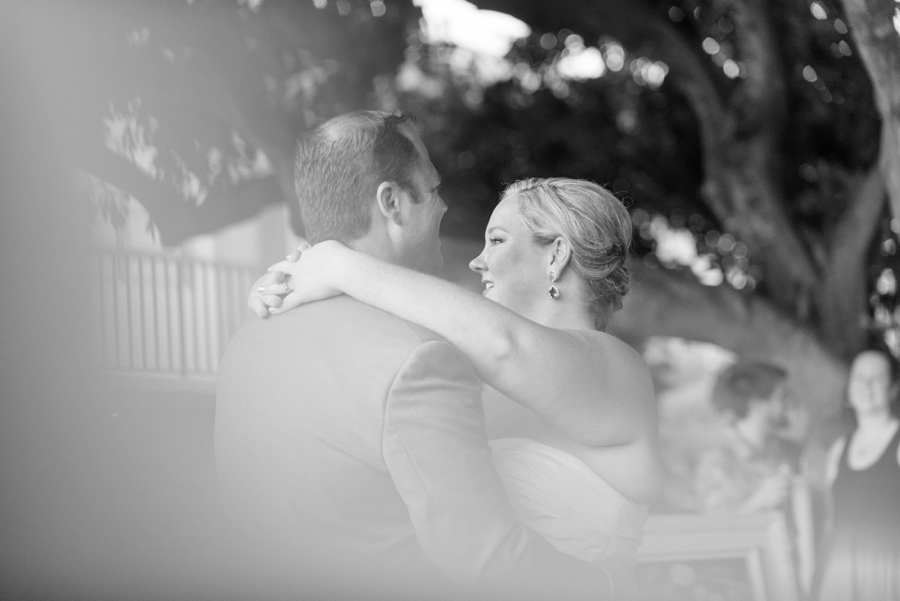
point(345, 306)
point(340, 320)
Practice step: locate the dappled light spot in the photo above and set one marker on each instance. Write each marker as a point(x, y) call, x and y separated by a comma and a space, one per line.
point(809, 74)
point(887, 282)
point(731, 69)
point(714, 258)
point(584, 64)
point(614, 56)
point(138, 37)
point(710, 46)
point(818, 11)
point(548, 41)
point(126, 136)
point(251, 4)
point(649, 73)
point(573, 42)
point(726, 243)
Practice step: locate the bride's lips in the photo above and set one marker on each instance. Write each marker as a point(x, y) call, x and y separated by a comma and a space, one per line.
point(487, 285)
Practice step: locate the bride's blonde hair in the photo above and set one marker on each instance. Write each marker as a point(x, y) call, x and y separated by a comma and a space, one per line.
point(597, 227)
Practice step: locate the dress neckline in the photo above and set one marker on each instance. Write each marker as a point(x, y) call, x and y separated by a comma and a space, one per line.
point(890, 446)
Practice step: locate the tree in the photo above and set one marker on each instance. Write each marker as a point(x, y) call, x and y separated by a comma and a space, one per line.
point(194, 107)
point(751, 125)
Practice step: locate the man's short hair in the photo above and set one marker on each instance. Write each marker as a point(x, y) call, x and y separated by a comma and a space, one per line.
point(339, 165)
point(747, 382)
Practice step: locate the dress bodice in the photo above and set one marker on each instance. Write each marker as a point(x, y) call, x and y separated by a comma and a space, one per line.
point(564, 500)
point(868, 499)
point(861, 561)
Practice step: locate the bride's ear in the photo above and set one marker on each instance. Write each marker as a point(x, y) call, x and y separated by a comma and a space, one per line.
point(561, 253)
point(387, 198)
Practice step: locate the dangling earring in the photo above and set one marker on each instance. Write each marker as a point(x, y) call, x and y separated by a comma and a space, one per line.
point(553, 291)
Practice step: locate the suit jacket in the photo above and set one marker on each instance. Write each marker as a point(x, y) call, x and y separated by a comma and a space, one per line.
point(351, 444)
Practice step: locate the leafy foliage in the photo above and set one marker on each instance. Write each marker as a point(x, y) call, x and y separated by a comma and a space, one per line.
point(201, 98)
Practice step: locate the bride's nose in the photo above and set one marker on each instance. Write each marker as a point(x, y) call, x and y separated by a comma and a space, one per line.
point(477, 264)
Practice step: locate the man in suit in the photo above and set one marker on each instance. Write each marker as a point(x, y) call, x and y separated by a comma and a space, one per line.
point(350, 443)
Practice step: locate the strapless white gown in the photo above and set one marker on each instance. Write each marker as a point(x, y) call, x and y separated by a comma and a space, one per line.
point(560, 497)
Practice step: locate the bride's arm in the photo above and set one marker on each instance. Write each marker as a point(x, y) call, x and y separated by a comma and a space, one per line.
point(591, 385)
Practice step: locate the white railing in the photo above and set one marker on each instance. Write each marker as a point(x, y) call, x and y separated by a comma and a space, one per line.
point(163, 315)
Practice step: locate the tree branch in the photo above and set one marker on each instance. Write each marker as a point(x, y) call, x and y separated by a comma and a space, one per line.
point(177, 218)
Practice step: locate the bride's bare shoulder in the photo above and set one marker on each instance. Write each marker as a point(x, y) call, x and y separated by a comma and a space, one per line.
point(599, 342)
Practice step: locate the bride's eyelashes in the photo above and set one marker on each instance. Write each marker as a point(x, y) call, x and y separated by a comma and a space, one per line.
point(494, 241)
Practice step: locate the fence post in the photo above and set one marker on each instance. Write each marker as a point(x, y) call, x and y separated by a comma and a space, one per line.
point(181, 326)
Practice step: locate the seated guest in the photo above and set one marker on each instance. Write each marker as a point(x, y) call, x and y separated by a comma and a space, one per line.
point(752, 468)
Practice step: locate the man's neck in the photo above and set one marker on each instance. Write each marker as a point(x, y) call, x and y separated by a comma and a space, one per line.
point(374, 246)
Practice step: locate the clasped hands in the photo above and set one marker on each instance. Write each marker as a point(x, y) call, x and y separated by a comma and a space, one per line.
point(301, 278)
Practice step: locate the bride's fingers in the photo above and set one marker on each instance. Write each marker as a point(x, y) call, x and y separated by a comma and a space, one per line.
point(254, 301)
point(283, 267)
point(272, 300)
point(277, 310)
point(294, 255)
point(274, 289)
point(258, 306)
point(290, 301)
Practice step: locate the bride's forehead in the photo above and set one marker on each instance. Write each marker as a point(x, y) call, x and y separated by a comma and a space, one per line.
point(507, 210)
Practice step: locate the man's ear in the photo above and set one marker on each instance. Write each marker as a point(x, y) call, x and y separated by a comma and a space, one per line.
point(560, 254)
point(389, 202)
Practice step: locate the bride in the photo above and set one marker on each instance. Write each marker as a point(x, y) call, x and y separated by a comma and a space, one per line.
point(569, 409)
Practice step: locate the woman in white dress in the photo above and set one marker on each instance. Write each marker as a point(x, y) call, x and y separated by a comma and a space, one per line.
point(569, 409)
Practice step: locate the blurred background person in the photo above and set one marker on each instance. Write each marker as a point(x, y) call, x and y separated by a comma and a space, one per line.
point(752, 467)
point(684, 376)
point(861, 561)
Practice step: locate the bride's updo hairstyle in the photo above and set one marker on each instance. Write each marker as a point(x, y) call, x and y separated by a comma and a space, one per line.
point(595, 224)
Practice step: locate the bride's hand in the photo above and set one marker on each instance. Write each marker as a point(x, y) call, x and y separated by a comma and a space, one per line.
point(303, 278)
point(269, 290)
point(258, 302)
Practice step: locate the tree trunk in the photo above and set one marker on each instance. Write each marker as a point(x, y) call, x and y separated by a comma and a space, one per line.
point(842, 298)
point(878, 41)
point(742, 167)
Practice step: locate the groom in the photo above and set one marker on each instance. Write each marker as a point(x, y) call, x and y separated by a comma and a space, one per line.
point(350, 444)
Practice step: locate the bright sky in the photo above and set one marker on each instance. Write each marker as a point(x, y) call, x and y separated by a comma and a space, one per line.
point(465, 25)
point(490, 34)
